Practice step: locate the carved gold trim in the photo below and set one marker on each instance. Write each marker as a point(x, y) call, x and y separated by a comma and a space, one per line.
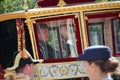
point(25, 5)
point(30, 23)
point(104, 0)
point(54, 16)
point(61, 3)
point(84, 32)
point(14, 15)
point(61, 10)
point(69, 9)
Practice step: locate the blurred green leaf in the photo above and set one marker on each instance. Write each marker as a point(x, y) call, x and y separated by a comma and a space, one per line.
point(7, 6)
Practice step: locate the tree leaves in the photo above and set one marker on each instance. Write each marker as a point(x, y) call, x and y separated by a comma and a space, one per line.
point(7, 6)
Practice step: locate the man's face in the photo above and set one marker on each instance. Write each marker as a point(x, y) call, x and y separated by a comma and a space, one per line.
point(43, 35)
point(30, 70)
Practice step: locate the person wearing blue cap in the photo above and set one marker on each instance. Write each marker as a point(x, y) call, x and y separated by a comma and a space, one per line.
point(99, 62)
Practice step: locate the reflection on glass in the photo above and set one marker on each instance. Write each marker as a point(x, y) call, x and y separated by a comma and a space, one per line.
point(96, 34)
point(57, 39)
point(117, 34)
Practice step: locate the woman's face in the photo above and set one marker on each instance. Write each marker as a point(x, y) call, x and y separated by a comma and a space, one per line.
point(89, 69)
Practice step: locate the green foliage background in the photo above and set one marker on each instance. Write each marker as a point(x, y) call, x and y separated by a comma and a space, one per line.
point(7, 6)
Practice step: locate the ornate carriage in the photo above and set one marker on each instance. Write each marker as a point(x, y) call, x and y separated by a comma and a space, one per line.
point(87, 24)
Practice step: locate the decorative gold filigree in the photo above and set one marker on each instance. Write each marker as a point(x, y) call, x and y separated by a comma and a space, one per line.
point(61, 3)
point(25, 5)
point(61, 10)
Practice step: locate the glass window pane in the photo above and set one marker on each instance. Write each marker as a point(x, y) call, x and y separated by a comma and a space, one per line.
point(117, 34)
point(96, 34)
point(58, 39)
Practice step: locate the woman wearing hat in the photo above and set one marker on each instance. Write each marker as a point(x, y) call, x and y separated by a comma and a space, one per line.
point(23, 68)
point(99, 63)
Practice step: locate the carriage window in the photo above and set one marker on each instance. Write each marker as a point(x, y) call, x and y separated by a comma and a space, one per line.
point(117, 34)
point(57, 39)
point(96, 34)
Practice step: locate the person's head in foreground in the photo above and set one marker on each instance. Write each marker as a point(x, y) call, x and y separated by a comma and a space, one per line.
point(23, 65)
point(99, 62)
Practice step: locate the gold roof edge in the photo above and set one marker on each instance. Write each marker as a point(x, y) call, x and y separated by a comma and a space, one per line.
point(60, 10)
